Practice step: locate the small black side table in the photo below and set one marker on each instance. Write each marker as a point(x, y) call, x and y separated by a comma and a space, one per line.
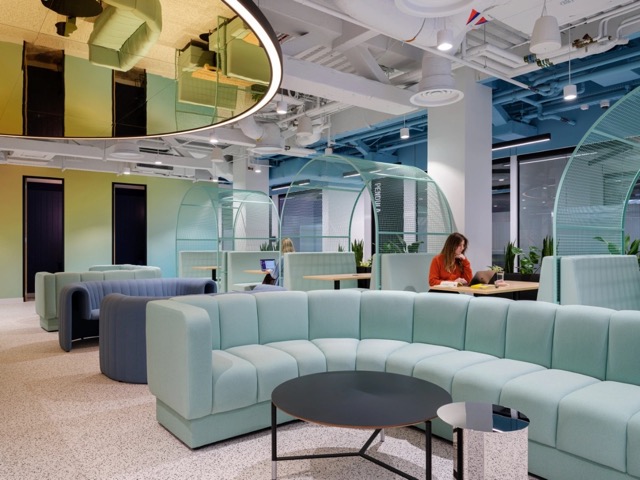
point(360, 399)
point(502, 455)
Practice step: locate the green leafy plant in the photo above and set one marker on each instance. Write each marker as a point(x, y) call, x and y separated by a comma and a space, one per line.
point(547, 247)
point(528, 262)
point(357, 247)
point(496, 268)
point(400, 246)
point(630, 247)
point(509, 257)
point(340, 248)
point(271, 246)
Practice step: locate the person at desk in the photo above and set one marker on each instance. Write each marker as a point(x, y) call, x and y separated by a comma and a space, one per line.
point(451, 264)
point(271, 278)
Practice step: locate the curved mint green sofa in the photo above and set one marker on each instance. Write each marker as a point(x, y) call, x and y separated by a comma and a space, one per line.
point(212, 363)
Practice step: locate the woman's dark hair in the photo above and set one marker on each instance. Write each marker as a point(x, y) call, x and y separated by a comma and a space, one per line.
point(449, 250)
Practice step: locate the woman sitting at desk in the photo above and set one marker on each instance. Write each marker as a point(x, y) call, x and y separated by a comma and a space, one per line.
point(272, 278)
point(451, 264)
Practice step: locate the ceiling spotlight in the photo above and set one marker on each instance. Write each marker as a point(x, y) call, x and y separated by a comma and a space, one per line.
point(213, 138)
point(126, 171)
point(570, 92)
point(584, 106)
point(328, 151)
point(404, 133)
point(281, 107)
point(257, 169)
point(445, 40)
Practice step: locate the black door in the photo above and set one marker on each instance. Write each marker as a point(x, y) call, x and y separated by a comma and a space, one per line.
point(129, 224)
point(43, 229)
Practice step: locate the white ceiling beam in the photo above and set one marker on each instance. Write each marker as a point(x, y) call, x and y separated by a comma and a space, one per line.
point(327, 83)
point(352, 36)
point(365, 65)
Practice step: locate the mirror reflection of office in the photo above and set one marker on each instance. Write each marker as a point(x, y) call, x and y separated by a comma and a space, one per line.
point(77, 55)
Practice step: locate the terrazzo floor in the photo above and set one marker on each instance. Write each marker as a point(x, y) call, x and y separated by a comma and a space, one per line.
point(62, 419)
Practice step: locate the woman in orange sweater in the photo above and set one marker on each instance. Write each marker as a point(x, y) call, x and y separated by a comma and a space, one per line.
point(451, 264)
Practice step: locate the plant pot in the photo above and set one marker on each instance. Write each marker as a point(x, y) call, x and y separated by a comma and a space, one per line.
point(363, 283)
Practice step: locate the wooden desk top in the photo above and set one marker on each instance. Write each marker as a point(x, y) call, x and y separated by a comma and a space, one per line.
point(510, 287)
point(205, 267)
point(339, 276)
point(257, 272)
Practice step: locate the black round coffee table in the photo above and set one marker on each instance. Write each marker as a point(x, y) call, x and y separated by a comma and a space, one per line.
point(360, 399)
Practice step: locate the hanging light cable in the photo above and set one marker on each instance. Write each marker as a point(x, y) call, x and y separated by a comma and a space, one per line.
point(570, 90)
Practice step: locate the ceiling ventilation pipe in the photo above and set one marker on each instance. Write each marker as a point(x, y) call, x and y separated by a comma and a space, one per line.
point(417, 22)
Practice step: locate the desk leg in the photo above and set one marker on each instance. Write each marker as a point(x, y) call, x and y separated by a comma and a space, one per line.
point(214, 274)
point(274, 443)
point(459, 475)
point(336, 284)
point(427, 449)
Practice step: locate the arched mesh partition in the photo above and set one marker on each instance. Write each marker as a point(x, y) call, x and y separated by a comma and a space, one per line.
point(595, 188)
point(213, 220)
point(335, 199)
point(597, 183)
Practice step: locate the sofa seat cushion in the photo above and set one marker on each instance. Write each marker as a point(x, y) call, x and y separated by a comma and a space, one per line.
point(633, 446)
point(440, 369)
point(372, 354)
point(404, 359)
point(235, 382)
point(309, 357)
point(339, 352)
point(538, 395)
point(484, 382)
point(273, 366)
point(592, 422)
point(95, 314)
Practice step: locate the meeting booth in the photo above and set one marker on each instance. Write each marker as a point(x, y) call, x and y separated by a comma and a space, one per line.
point(396, 209)
point(596, 216)
point(223, 233)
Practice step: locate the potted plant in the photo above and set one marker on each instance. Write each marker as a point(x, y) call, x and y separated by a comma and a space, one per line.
point(509, 257)
point(362, 266)
point(357, 247)
point(630, 248)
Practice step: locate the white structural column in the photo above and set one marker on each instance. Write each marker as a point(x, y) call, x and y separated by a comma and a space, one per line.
point(459, 160)
point(247, 179)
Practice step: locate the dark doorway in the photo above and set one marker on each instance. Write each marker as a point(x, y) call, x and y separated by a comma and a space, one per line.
point(43, 229)
point(43, 106)
point(130, 103)
point(129, 224)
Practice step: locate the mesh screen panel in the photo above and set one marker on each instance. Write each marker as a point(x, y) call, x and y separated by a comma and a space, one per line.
point(598, 181)
point(212, 220)
point(410, 212)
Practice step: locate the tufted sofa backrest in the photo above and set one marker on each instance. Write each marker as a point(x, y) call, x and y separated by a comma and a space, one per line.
point(440, 319)
point(593, 341)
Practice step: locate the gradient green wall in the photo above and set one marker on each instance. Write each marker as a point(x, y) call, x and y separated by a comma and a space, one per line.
point(87, 220)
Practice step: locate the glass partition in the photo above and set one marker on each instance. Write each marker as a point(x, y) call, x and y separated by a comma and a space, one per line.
point(409, 213)
point(598, 183)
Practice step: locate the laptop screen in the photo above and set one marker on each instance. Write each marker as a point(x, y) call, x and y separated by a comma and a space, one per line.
point(267, 264)
point(483, 276)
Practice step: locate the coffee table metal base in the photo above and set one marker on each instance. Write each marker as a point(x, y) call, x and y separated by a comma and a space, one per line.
point(360, 453)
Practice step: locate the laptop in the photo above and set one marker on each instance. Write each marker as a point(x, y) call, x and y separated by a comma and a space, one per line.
point(267, 264)
point(485, 277)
